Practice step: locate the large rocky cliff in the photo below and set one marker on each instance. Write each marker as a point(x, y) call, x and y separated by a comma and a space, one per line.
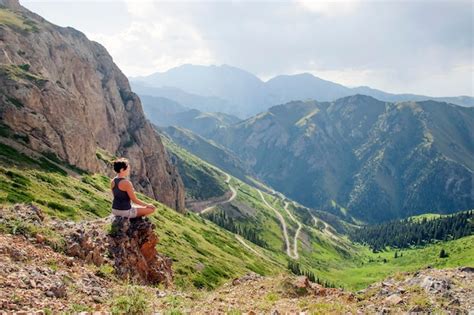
point(62, 93)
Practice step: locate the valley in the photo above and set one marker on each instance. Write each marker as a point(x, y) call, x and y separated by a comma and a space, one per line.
point(353, 156)
point(292, 195)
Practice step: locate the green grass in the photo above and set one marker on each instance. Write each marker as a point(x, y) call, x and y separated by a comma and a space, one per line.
point(19, 227)
point(105, 156)
point(204, 255)
point(333, 259)
point(201, 180)
point(18, 73)
point(17, 22)
point(372, 268)
point(134, 300)
point(428, 216)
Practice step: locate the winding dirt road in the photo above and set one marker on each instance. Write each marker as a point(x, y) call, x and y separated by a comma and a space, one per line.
point(232, 196)
point(297, 233)
point(283, 225)
point(292, 254)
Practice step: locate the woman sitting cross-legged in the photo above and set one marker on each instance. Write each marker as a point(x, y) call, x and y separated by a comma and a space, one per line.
point(124, 194)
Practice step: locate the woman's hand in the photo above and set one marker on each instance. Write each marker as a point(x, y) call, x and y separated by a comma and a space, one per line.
point(150, 206)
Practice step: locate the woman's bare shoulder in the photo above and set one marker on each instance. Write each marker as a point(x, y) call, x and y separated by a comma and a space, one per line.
point(125, 183)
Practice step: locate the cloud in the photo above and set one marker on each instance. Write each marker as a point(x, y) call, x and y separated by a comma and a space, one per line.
point(330, 8)
point(400, 46)
point(155, 40)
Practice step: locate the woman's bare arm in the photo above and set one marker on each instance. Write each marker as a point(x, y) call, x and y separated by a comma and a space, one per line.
point(131, 193)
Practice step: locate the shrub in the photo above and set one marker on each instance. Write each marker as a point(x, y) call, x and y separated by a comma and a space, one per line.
point(135, 300)
point(24, 67)
point(105, 271)
point(443, 254)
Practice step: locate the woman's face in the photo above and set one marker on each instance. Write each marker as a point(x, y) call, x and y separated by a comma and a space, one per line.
point(127, 171)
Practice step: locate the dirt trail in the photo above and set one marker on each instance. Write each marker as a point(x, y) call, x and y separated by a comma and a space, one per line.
point(297, 233)
point(232, 196)
point(326, 229)
point(283, 225)
point(241, 240)
point(292, 254)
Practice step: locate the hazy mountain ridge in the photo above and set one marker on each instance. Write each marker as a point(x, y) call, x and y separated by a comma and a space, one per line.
point(164, 112)
point(209, 151)
point(203, 103)
point(244, 94)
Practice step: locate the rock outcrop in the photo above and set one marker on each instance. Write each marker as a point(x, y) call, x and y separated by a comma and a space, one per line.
point(88, 241)
point(132, 245)
point(129, 246)
point(62, 93)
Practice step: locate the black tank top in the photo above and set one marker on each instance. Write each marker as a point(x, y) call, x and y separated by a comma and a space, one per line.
point(121, 199)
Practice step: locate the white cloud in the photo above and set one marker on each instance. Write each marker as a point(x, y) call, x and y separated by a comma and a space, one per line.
point(400, 46)
point(154, 41)
point(330, 8)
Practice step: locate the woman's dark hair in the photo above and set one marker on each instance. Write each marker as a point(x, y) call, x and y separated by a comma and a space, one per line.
point(119, 164)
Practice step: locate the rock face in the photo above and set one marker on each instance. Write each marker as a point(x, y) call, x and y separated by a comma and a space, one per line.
point(132, 244)
point(63, 94)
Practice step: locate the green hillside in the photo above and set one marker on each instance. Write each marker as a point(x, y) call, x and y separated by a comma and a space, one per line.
point(201, 180)
point(323, 247)
point(188, 239)
point(208, 151)
point(193, 242)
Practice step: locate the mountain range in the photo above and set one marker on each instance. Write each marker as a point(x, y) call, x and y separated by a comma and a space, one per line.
point(357, 156)
point(238, 92)
point(67, 111)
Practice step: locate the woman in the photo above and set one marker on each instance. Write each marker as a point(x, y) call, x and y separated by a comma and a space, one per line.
point(124, 193)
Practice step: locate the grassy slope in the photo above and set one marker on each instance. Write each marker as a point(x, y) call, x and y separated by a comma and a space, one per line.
point(202, 181)
point(12, 19)
point(333, 258)
point(318, 251)
point(204, 254)
point(373, 268)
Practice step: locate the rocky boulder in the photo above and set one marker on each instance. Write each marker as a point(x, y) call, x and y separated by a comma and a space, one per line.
point(88, 241)
point(132, 244)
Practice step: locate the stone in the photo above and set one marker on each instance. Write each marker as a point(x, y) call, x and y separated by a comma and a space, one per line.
point(18, 254)
point(435, 285)
point(59, 290)
point(467, 269)
point(454, 302)
point(132, 243)
point(416, 309)
point(86, 243)
point(39, 238)
point(74, 250)
point(393, 299)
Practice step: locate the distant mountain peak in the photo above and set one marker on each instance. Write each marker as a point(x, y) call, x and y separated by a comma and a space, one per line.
point(246, 94)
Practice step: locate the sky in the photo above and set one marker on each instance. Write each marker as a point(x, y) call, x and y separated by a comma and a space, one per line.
point(418, 46)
